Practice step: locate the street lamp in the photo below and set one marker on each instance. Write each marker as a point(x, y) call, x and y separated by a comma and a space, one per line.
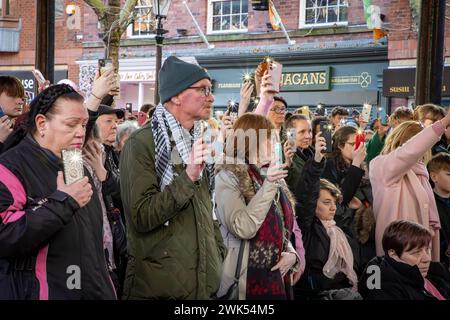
point(160, 9)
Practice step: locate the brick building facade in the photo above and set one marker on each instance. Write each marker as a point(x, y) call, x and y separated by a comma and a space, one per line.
point(20, 62)
point(318, 48)
point(343, 50)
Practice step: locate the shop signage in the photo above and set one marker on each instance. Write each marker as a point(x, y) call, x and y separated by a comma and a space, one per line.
point(137, 75)
point(307, 79)
point(28, 81)
point(401, 82)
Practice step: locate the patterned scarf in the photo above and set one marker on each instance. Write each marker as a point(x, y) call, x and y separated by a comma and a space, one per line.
point(165, 127)
point(266, 248)
point(340, 257)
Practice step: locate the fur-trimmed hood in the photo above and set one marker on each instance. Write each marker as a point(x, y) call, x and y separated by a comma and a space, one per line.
point(245, 183)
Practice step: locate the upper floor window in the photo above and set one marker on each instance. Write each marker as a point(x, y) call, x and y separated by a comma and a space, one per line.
point(227, 16)
point(4, 8)
point(143, 24)
point(323, 13)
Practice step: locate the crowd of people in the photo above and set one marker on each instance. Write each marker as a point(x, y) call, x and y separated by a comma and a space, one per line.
point(175, 204)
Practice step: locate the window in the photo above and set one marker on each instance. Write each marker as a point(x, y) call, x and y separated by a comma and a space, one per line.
point(227, 16)
point(4, 8)
point(323, 13)
point(143, 24)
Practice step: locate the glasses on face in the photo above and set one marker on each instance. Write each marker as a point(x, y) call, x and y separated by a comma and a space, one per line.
point(278, 110)
point(205, 90)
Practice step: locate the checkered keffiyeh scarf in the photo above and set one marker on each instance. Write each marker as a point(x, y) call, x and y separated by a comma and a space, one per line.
point(164, 124)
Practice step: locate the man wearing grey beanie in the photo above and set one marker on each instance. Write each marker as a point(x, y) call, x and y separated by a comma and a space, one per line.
point(174, 243)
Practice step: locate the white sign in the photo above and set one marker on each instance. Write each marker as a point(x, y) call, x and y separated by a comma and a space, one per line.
point(137, 75)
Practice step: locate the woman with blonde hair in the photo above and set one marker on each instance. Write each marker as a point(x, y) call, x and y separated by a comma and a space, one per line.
point(256, 212)
point(400, 181)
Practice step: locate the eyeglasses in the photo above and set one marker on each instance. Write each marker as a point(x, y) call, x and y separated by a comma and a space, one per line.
point(205, 90)
point(278, 110)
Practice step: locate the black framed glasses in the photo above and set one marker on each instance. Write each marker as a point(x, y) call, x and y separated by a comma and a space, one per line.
point(278, 110)
point(205, 90)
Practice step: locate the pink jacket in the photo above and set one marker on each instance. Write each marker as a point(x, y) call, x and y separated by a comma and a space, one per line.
point(399, 193)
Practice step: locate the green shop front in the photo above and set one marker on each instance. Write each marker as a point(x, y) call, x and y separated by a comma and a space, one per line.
point(344, 77)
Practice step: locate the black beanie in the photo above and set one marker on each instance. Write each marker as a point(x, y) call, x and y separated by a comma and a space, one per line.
point(176, 76)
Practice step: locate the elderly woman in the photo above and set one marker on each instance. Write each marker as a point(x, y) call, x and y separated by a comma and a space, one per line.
point(124, 130)
point(50, 231)
point(256, 211)
point(400, 181)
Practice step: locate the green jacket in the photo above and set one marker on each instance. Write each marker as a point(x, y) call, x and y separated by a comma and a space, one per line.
point(296, 168)
point(374, 147)
point(182, 260)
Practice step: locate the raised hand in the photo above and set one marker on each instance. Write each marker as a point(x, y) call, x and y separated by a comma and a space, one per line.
point(245, 96)
point(92, 153)
point(276, 172)
point(80, 191)
point(197, 159)
point(5, 128)
point(320, 146)
point(359, 155)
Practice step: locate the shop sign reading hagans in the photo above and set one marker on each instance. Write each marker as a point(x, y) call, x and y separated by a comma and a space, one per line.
point(307, 79)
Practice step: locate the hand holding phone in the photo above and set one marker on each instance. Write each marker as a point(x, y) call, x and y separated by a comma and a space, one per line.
point(291, 138)
point(366, 111)
point(38, 76)
point(73, 165)
point(360, 137)
point(326, 129)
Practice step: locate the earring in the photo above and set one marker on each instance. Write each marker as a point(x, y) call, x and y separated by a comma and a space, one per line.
point(42, 133)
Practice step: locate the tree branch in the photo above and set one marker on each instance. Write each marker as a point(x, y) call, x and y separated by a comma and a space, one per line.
point(126, 12)
point(98, 7)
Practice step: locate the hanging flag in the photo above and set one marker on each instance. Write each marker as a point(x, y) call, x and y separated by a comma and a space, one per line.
point(274, 18)
point(367, 4)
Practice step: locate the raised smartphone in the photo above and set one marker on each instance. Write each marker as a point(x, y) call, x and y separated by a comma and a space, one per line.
point(327, 132)
point(360, 137)
point(38, 76)
point(366, 111)
point(291, 138)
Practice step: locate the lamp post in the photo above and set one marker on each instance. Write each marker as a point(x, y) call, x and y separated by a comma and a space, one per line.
point(45, 38)
point(160, 9)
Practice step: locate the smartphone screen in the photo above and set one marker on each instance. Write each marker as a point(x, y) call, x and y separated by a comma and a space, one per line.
point(327, 132)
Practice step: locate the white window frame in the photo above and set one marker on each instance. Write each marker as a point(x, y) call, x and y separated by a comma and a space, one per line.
point(130, 28)
point(303, 25)
point(210, 19)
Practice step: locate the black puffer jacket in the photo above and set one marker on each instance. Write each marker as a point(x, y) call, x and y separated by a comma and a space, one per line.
point(400, 281)
point(315, 237)
point(45, 237)
point(348, 180)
